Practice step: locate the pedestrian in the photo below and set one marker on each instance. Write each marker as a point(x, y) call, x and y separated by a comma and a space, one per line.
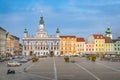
point(24, 69)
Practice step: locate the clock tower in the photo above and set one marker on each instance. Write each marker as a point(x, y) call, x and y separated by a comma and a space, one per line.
point(41, 33)
point(108, 33)
point(41, 23)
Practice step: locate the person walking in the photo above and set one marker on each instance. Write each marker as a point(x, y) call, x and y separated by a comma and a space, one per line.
point(24, 69)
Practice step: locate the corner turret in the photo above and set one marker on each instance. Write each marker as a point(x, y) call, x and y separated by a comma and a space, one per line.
point(41, 20)
point(25, 33)
point(57, 32)
point(41, 26)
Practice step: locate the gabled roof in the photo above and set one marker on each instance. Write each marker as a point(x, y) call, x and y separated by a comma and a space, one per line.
point(67, 36)
point(2, 29)
point(98, 36)
point(108, 40)
point(17, 38)
point(115, 40)
point(80, 40)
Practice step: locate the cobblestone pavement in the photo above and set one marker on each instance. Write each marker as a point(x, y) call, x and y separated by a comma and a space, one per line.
point(55, 68)
point(19, 75)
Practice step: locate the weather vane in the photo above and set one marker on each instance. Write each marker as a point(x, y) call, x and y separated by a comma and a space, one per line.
point(41, 12)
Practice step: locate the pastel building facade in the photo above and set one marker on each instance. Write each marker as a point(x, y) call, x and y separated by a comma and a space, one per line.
point(12, 45)
point(117, 45)
point(68, 45)
point(89, 48)
point(2, 42)
point(80, 46)
point(99, 43)
point(109, 45)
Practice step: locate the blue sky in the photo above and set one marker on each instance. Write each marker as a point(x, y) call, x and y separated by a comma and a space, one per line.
point(73, 17)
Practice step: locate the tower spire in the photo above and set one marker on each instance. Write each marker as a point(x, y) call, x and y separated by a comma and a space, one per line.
point(108, 32)
point(41, 20)
point(25, 33)
point(25, 30)
point(57, 31)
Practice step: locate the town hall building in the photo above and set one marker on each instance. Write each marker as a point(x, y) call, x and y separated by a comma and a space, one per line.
point(42, 44)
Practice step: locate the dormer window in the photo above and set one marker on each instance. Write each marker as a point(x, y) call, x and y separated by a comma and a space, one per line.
point(97, 36)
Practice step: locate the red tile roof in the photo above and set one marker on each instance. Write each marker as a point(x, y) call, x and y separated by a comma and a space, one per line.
point(108, 40)
point(98, 36)
point(80, 40)
point(67, 36)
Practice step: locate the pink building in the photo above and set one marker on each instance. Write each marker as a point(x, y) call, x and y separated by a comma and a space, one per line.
point(89, 48)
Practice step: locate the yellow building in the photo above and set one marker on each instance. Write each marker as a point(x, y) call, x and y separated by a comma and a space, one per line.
point(80, 46)
point(12, 45)
point(99, 43)
point(68, 45)
point(109, 45)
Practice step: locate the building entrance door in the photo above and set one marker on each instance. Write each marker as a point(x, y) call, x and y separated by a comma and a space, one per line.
point(51, 53)
point(31, 53)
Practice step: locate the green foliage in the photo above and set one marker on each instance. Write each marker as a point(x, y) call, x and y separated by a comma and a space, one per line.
point(48, 55)
point(35, 59)
point(92, 57)
point(66, 58)
point(88, 57)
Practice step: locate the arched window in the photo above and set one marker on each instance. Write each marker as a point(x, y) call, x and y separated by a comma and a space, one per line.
point(35, 53)
point(44, 48)
point(41, 48)
point(25, 47)
point(51, 43)
point(38, 48)
point(44, 53)
point(51, 48)
point(57, 53)
point(54, 48)
point(57, 44)
point(38, 53)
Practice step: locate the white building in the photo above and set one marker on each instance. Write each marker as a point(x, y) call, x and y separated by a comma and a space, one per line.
point(41, 44)
point(80, 45)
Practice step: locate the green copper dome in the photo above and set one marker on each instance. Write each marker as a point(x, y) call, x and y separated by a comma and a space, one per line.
point(108, 31)
point(57, 31)
point(25, 30)
point(41, 20)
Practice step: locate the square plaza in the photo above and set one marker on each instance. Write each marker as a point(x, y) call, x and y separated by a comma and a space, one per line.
point(55, 68)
